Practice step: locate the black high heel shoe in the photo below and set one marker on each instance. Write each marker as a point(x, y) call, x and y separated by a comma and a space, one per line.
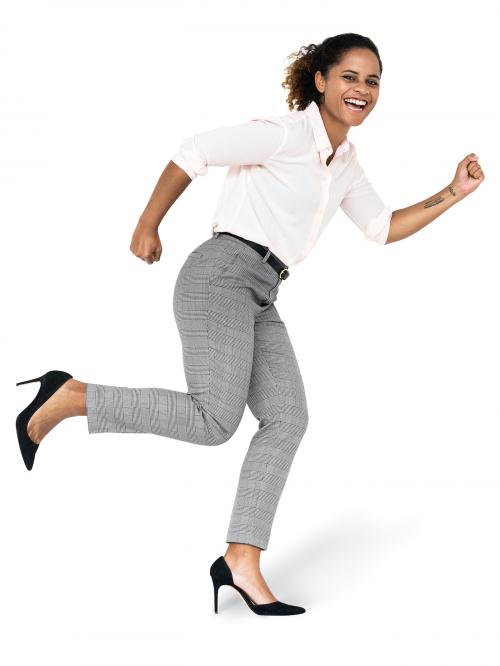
point(221, 575)
point(49, 383)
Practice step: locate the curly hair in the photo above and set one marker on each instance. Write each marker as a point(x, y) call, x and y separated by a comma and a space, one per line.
point(309, 59)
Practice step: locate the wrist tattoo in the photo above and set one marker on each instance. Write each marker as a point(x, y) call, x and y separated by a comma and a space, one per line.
point(451, 190)
point(433, 202)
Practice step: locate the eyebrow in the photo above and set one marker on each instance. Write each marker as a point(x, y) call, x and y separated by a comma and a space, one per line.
point(354, 72)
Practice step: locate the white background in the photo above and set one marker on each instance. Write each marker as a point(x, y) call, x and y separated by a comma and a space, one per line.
point(387, 531)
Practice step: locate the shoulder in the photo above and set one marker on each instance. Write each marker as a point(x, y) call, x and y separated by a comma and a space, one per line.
point(292, 121)
point(292, 127)
point(298, 131)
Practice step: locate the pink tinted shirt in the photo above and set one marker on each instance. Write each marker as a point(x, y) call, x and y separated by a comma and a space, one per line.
point(278, 190)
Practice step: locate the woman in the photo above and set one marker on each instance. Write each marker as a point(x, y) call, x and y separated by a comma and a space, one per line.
point(287, 177)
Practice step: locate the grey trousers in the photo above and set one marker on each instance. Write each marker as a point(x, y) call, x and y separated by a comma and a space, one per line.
point(236, 351)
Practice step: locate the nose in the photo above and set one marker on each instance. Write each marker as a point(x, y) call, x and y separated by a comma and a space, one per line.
point(362, 91)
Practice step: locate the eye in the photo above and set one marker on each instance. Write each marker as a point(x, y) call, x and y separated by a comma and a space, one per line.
point(349, 76)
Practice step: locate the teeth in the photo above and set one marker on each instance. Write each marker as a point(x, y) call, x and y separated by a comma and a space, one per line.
point(356, 101)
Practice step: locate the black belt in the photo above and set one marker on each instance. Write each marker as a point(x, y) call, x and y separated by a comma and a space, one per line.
point(279, 266)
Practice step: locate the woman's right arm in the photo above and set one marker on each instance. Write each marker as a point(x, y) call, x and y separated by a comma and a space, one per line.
point(171, 184)
point(146, 243)
point(253, 142)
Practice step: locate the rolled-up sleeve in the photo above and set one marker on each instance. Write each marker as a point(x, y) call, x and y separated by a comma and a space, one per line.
point(366, 209)
point(253, 142)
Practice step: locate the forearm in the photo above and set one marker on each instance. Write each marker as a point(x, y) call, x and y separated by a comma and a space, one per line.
point(406, 221)
point(171, 184)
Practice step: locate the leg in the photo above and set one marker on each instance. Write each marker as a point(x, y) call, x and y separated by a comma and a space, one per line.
point(216, 327)
point(277, 399)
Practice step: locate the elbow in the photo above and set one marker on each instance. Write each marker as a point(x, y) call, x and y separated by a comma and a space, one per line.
point(390, 233)
point(379, 227)
point(388, 239)
point(395, 230)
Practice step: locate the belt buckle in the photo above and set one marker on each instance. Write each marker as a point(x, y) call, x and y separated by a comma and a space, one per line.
point(283, 274)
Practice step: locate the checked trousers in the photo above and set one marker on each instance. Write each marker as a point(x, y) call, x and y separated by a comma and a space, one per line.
point(236, 352)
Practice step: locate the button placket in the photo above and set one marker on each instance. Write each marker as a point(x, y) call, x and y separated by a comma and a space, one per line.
point(319, 214)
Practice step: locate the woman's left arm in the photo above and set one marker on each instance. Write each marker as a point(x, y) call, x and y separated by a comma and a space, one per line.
point(406, 221)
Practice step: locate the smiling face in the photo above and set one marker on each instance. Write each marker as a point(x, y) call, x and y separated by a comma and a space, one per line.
point(357, 75)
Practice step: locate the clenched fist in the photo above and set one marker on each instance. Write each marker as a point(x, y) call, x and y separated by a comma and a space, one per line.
point(146, 243)
point(468, 175)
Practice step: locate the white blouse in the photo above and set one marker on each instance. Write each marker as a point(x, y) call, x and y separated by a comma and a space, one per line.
point(278, 190)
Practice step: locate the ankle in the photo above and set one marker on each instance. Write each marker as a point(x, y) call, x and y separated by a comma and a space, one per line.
point(76, 386)
point(77, 397)
point(243, 555)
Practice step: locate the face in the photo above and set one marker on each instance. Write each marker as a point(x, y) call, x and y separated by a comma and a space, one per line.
point(362, 82)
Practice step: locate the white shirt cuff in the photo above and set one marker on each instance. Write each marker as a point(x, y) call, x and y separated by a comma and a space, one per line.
point(378, 228)
point(188, 159)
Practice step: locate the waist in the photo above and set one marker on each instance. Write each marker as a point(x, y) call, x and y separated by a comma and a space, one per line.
point(279, 266)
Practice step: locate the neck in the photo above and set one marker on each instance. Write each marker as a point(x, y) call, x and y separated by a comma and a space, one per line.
point(335, 129)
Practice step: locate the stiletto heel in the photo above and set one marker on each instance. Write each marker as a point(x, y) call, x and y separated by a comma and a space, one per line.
point(221, 575)
point(216, 597)
point(50, 382)
point(27, 381)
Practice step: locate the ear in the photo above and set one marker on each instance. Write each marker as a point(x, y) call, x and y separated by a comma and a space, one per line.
point(319, 81)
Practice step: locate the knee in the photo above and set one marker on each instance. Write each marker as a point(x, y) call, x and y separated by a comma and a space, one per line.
point(291, 422)
point(219, 437)
point(297, 421)
point(216, 427)
point(303, 420)
point(218, 434)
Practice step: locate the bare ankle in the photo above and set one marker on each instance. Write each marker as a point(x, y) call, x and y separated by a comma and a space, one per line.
point(243, 554)
point(77, 394)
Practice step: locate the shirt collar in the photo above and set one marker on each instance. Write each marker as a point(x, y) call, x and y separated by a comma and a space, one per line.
point(321, 137)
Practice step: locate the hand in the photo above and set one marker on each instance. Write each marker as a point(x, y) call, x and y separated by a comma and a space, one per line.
point(468, 176)
point(146, 243)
